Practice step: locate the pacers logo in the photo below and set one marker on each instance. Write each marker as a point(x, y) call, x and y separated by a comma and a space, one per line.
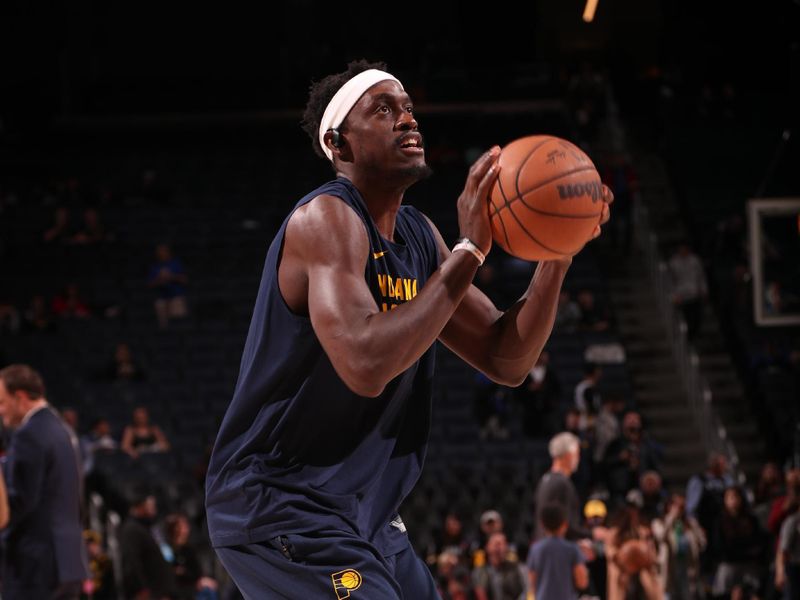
point(345, 582)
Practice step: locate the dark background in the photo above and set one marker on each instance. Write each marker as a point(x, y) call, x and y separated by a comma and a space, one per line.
point(99, 58)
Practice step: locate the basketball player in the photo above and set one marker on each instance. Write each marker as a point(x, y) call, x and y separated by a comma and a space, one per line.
point(327, 429)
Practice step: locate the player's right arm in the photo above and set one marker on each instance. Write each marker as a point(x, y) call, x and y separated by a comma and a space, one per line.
point(321, 274)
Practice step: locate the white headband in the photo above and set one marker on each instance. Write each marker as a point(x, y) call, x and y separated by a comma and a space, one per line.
point(344, 100)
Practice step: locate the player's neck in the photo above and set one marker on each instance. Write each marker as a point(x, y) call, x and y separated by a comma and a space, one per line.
point(383, 200)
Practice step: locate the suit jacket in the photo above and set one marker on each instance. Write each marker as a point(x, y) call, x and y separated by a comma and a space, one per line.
point(43, 543)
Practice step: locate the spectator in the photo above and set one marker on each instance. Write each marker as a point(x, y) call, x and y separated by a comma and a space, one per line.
point(122, 367)
point(453, 579)
point(787, 559)
point(556, 566)
point(688, 287)
point(43, 551)
point(60, 231)
point(500, 578)
point(770, 484)
point(70, 304)
point(626, 580)
point(168, 277)
point(575, 424)
point(568, 314)
point(630, 455)
point(704, 492)
point(539, 395)
point(141, 436)
point(682, 541)
point(93, 231)
point(587, 396)
point(101, 568)
point(653, 496)
point(607, 427)
point(595, 513)
point(450, 538)
point(739, 547)
point(785, 505)
point(769, 488)
point(145, 572)
point(97, 441)
point(704, 500)
point(556, 487)
point(38, 317)
point(191, 583)
point(491, 522)
point(593, 316)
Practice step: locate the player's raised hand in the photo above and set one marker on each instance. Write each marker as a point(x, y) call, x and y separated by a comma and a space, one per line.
point(473, 212)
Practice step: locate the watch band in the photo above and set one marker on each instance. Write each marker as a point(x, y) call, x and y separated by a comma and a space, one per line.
point(469, 246)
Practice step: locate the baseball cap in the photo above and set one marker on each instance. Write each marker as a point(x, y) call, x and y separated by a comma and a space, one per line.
point(595, 508)
point(634, 498)
point(490, 515)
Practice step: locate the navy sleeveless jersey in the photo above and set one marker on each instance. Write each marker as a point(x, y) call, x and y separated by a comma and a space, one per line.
point(298, 450)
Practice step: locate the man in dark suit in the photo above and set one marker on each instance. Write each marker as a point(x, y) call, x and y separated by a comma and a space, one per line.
point(43, 555)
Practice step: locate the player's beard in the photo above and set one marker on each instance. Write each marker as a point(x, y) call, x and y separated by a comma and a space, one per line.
point(410, 175)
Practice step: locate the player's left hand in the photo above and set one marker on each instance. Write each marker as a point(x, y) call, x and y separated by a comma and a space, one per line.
point(605, 214)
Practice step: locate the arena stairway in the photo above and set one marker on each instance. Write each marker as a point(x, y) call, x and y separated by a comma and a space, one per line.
point(716, 367)
point(657, 388)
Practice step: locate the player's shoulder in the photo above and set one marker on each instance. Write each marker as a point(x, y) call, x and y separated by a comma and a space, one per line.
point(324, 212)
point(319, 226)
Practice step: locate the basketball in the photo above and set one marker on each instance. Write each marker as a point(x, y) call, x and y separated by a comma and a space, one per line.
point(547, 199)
point(634, 555)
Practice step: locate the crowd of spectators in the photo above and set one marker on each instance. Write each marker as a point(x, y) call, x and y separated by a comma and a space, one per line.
point(714, 540)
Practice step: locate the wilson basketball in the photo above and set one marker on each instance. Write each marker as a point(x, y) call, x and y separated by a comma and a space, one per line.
point(547, 199)
point(635, 555)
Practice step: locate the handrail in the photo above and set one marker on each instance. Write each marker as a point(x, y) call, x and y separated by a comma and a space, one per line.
point(698, 393)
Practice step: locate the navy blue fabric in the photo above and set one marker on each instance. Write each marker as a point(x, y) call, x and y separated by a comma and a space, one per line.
point(298, 451)
point(553, 559)
point(43, 543)
point(315, 566)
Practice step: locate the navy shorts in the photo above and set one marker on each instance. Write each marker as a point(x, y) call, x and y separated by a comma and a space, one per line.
point(326, 564)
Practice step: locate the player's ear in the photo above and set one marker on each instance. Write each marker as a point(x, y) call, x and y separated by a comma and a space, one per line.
point(334, 140)
point(336, 143)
